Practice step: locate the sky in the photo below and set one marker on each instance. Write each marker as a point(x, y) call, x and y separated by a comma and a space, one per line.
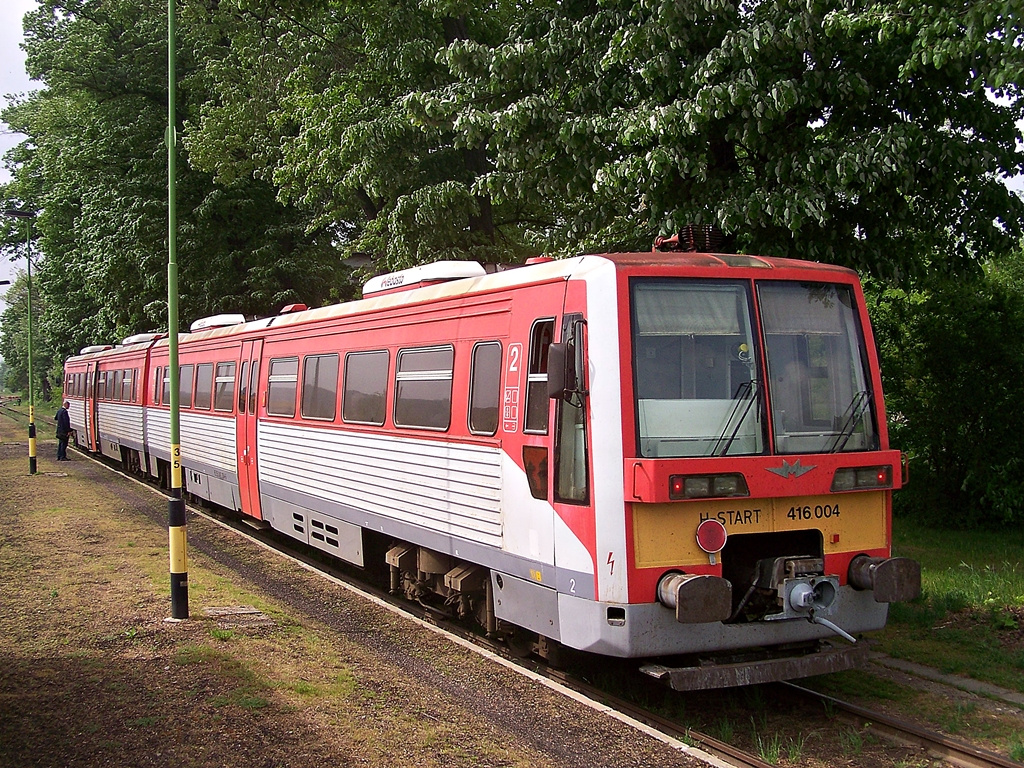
point(13, 81)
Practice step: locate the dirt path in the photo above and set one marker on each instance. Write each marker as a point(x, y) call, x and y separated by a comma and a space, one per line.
point(92, 675)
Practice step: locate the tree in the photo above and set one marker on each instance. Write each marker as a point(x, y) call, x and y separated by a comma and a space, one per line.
point(953, 371)
point(95, 167)
point(14, 340)
point(331, 125)
point(801, 128)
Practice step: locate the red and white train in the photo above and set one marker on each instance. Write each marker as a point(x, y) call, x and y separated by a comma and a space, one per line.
point(670, 456)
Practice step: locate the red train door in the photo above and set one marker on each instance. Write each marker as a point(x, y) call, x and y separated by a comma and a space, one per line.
point(245, 426)
point(91, 438)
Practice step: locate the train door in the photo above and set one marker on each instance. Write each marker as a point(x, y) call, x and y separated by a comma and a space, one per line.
point(91, 435)
point(245, 426)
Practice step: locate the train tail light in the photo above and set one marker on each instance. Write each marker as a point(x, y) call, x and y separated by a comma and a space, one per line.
point(706, 486)
point(862, 478)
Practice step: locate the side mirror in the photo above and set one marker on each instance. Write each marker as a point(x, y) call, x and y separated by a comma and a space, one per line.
point(566, 365)
point(557, 373)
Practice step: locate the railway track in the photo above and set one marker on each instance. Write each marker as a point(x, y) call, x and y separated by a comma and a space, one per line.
point(895, 730)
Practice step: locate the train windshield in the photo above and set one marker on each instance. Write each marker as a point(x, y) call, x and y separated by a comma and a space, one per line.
point(695, 368)
point(698, 362)
point(819, 390)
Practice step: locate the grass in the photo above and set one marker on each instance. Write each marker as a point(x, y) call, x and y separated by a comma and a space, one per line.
point(972, 582)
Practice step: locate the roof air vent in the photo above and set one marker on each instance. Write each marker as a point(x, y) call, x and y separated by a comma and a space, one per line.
point(216, 321)
point(421, 276)
point(695, 238)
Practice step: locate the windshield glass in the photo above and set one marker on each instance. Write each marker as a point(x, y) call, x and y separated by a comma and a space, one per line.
point(820, 396)
point(695, 369)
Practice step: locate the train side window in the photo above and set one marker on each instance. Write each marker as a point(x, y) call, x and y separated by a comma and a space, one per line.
point(282, 384)
point(485, 388)
point(204, 386)
point(166, 400)
point(126, 385)
point(224, 387)
point(364, 399)
point(320, 387)
point(254, 383)
point(243, 387)
point(185, 373)
point(537, 399)
point(423, 387)
point(157, 380)
point(571, 471)
point(114, 391)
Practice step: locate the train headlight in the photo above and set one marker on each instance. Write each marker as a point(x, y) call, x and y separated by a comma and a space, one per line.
point(706, 486)
point(862, 478)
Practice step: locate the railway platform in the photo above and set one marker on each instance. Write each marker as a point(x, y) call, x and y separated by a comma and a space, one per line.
point(275, 667)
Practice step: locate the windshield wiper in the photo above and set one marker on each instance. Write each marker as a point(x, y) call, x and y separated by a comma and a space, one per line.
point(853, 413)
point(748, 393)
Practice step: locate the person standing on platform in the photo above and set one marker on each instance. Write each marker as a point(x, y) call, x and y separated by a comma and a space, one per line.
point(63, 419)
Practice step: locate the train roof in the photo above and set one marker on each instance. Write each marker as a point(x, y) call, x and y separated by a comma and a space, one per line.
point(420, 285)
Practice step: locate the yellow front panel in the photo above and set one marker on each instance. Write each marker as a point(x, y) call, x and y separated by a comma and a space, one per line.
point(665, 534)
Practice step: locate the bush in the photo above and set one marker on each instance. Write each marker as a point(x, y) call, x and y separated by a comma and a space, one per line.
point(953, 371)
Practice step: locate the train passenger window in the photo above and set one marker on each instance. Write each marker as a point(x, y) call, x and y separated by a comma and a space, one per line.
point(224, 387)
point(157, 379)
point(185, 373)
point(135, 385)
point(167, 387)
point(571, 472)
point(485, 388)
point(537, 400)
point(423, 387)
point(114, 389)
point(243, 387)
point(283, 381)
point(126, 386)
point(366, 387)
point(204, 386)
point(254, 382)
point(101, 386)
point(320, 387)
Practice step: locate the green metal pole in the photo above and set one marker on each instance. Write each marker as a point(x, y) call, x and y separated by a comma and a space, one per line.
point(176, 505)
point(31, 390)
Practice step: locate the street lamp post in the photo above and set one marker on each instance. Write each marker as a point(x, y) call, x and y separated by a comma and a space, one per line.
point(28, 216)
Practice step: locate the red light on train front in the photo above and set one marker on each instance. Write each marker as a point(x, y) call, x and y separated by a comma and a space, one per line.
point(706, 486)
point(861, 478)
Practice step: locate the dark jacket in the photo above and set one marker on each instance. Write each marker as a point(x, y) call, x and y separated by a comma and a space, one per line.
point(63, 420)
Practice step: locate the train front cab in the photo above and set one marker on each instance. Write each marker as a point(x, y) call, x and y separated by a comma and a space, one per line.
point(756, 475)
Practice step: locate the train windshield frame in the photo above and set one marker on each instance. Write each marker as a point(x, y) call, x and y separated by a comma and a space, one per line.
point(706, 377)
point(695, 368)
point(821, 395)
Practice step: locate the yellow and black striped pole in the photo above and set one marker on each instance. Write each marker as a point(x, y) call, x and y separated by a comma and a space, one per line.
point(176, 511)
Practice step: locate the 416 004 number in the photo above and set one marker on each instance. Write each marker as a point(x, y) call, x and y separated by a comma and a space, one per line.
point(817, 512)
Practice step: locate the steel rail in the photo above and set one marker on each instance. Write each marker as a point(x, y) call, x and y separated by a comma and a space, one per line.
point(904, 732)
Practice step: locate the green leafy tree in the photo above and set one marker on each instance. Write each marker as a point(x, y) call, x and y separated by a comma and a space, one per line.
point(328, 122)
point(14, 341)
point(95, 166)
point(953, 370)
point(811, 129)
